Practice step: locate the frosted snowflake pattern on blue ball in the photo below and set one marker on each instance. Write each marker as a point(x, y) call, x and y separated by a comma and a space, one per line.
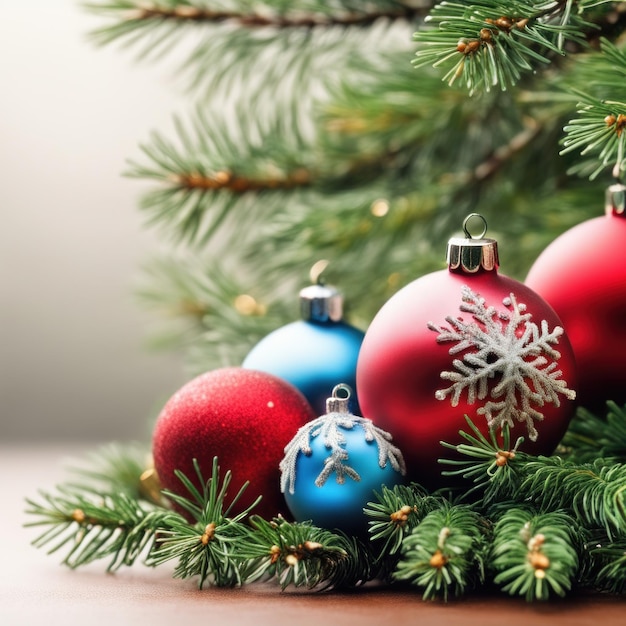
point(352, 450)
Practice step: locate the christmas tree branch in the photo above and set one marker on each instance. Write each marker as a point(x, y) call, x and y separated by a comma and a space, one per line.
point(488, 44)
point(215, 316)
point(443, 554)
point(591, 436)
point(598, 131)
point(593, 492)
point(534, 555)
point(444, 543)
point(605, 569)
point(97, 526)
point(116, 468)
point(237, 43)
point(208, 166)
point(395, 512)
point(302, 555)
point(274, 15)
point(493, 466)
point(204, 547)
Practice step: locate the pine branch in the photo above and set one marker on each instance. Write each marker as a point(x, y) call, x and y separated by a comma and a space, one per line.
point(606, 566)
point(296, 45)
point(494, 467)
point(444, 548)
point(272, 14)
point(117, 468)
point(590, 437)
point(204, 548)
point(302, 555)
point(534, 556)
point(212, 165)
point(443, 555)
point(488, 44)
point(598, 130)
point(215, 315)
point(94, 526)
point(395, 513)
point(593, 492)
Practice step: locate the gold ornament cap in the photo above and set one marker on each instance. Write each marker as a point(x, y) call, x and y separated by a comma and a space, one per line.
point(469, 255)
point(321, 303)
point(615, 200)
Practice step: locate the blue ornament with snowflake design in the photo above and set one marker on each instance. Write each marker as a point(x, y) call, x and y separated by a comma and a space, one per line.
point(335, 463)
point(314, 353)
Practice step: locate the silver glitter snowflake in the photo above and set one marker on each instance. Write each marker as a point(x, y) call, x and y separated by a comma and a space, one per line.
point(329, 427)
point(507, 359)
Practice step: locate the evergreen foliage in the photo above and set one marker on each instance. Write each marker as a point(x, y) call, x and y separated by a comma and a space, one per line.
point(355, 137)
point(322, 132)
point(536, 527)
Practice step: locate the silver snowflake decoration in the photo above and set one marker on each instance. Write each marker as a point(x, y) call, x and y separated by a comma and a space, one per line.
point(329, 427)
point(508, 348)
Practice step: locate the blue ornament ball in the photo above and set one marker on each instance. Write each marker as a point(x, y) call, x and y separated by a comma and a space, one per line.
point(333, 466)
point(314, 356)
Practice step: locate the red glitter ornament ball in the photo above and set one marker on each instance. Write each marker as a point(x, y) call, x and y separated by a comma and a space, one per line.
point(243, 417)
point(465, 341)
point(582, 274)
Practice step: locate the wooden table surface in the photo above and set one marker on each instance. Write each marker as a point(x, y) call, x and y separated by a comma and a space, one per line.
point(35, 589)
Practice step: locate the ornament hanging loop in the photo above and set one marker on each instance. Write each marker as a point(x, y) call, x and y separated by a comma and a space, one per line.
point(316, 273)
point(465, 228)
point(339, 400)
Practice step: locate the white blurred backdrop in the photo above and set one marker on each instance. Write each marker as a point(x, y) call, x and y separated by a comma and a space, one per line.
point(73, 355)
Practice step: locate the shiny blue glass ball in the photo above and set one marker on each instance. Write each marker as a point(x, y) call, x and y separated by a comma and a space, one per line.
point(313, 356)
point(333, 504)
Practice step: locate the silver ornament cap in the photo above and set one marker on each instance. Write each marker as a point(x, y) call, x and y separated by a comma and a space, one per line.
point(321, 303)
point(468, 255)
point(615, 200)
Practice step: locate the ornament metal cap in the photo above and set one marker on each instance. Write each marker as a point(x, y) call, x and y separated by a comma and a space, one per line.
point(615, 202)
point(469, 255)
point(321, 303)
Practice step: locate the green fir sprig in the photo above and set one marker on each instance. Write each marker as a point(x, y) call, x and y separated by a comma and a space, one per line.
point(592, 436)
point(598, 131)
point(486, 44)
point(606, 564)
point(204, 547)
point(443, 554)
point(594, 492)
point(536, 527)
point(272, 46)
point(94, 526)
point(487, 463)
point(395, 512)
point(302, 555)
point(534, 555)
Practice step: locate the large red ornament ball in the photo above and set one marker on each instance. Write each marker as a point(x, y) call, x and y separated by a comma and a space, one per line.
point(401, 362)
point(245, 418)
point(582, 274)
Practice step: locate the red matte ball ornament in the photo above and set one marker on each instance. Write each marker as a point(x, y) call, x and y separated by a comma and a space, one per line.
point(466, 341)
point(582, 274)
point(243, 417)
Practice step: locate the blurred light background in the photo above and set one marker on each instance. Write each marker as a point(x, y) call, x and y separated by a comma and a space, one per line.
point(74, 358)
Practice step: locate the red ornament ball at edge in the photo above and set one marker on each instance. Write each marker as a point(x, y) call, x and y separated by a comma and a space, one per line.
point(582, 274)
point(245, 418)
